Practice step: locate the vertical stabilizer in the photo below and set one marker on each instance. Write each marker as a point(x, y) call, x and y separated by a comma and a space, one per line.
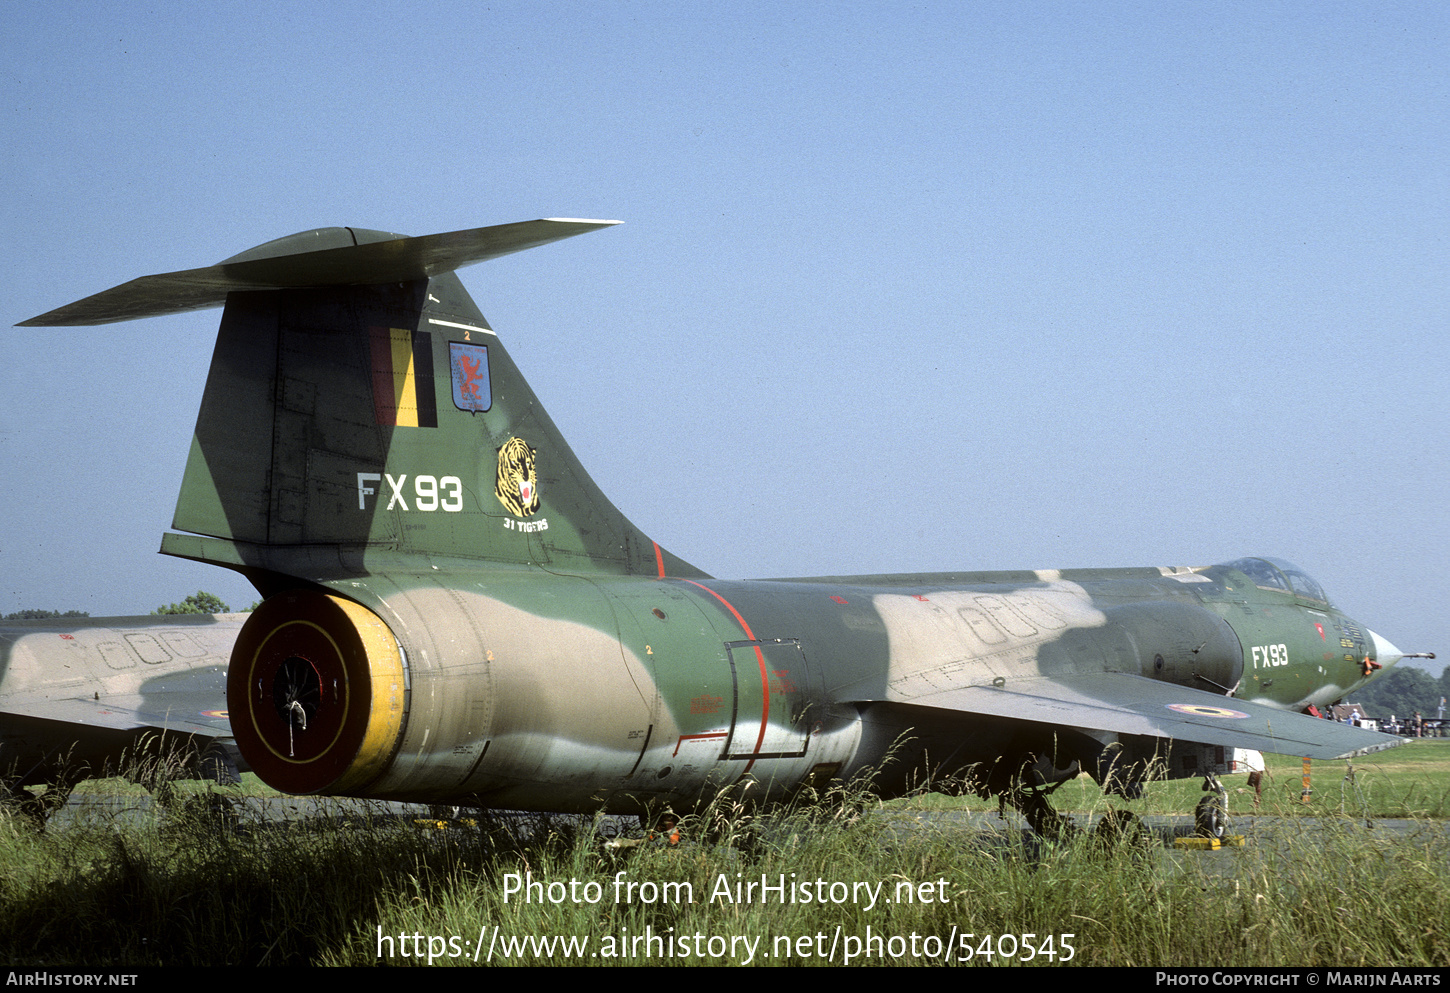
point(361, 415)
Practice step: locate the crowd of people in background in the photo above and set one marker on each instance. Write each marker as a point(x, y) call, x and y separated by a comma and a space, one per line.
point(1414, 727)
point(1417, 726)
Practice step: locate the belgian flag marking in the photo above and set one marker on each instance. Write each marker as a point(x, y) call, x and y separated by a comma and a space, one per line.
point(402, 366)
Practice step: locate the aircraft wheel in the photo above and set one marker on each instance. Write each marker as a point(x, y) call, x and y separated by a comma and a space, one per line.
point(1044, 821)
point(217, 764)
point(1119, 828)
point(1209, 818)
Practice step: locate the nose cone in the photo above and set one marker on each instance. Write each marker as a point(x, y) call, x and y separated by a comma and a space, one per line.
point(1385, 653)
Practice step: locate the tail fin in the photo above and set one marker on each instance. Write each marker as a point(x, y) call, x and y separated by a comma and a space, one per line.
point(361, 416)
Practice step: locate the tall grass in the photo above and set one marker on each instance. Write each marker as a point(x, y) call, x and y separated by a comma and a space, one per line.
point(1412, 781)
point(187, 886)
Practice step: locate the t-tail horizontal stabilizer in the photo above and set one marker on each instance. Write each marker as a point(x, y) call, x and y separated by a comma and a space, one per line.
point(325, 257)
point(361, 417)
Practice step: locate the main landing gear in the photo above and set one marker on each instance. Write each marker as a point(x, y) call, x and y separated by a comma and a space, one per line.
point(1210, 817)
point(1032, 803)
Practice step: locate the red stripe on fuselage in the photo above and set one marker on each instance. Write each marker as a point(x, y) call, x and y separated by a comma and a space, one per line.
point(760, 658)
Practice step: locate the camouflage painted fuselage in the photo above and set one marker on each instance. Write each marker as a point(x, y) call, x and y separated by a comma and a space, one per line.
point(530, 690)
point(455, 612)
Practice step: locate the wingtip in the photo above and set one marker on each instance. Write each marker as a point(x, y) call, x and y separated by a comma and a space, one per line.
point(1371, 749)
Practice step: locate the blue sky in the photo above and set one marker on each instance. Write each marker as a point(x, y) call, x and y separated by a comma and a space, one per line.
point(901, 287)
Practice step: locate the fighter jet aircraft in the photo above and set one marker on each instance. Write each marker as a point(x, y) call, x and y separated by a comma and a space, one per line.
point(456, 614)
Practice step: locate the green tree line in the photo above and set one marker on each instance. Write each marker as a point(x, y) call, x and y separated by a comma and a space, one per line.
point(1402, 691)
point(200, 602)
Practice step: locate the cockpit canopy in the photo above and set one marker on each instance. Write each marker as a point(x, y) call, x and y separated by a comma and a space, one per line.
point(1277, 574)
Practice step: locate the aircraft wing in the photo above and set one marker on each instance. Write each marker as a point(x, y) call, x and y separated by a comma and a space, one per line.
point(84, 691)
point(192, 702)
point(1127, 704)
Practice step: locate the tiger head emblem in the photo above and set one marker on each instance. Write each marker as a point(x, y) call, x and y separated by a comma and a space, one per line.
point(517, 487)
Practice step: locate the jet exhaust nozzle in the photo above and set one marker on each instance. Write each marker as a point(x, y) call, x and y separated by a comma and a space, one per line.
point(316, 692)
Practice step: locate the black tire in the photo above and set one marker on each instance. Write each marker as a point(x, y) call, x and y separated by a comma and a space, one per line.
point(1210, 819)
point(1122, 828)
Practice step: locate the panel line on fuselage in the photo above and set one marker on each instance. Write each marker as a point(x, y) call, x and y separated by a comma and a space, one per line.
point(764, 678)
